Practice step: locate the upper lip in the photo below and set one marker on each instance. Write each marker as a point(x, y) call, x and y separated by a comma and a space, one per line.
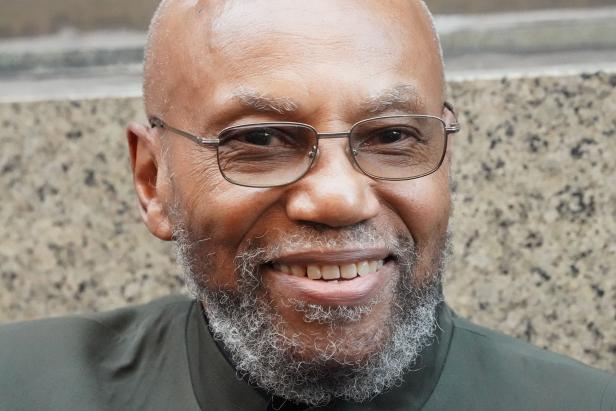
point(334, 257)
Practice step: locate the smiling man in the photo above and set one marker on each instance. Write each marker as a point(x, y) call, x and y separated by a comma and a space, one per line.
point(298, 153)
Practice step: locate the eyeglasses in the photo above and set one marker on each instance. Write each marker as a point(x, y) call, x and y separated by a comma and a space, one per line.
point(280, 153)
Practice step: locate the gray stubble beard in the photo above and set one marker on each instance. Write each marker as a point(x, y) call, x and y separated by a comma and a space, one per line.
point(253, 333)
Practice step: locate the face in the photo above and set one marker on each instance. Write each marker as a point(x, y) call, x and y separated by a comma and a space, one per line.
point(273, 60)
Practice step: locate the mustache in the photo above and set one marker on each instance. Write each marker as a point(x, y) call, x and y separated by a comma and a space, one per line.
point(277, 242)
point(196, 253)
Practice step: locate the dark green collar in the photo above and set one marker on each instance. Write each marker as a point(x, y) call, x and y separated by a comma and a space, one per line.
point(217, 386)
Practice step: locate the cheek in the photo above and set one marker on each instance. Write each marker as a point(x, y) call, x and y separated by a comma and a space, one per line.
point(223, 212)
point(214, 209)
point(234, 212)
point(423, 205)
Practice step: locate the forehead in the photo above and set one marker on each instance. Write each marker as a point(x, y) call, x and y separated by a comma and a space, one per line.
point(302, 49)
point(365, 26)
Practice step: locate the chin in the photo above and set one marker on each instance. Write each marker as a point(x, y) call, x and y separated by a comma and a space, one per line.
point(336, 334)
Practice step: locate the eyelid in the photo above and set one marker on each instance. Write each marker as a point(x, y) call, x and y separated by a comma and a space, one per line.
point(392, 127)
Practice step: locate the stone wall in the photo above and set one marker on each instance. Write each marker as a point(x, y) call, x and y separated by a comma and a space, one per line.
point(534, 220)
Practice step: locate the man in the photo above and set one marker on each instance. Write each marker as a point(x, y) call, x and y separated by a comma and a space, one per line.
point(299, 155)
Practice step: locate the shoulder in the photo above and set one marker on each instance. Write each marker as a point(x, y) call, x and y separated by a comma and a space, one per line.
point(519, 355)
point(515, 372)
point(54, 332)
point(81, 351)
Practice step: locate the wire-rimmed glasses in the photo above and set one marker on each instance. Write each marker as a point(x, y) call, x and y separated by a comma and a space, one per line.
point(272, 154)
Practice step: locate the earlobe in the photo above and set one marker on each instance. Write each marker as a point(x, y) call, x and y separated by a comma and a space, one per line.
point(150, 183)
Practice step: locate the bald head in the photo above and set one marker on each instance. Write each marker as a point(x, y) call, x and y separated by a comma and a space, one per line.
point(186, 36)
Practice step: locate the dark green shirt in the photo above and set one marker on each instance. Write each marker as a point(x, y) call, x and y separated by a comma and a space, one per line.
point(161, 356)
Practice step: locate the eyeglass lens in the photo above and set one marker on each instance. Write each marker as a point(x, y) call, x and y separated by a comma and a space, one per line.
point(269, 155)
point(266, 155)
point(398, 147)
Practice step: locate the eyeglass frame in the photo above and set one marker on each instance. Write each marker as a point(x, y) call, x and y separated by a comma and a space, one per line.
point(453, 128)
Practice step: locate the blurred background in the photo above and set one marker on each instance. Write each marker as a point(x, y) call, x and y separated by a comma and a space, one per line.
point(36, 17)
point(94, 47)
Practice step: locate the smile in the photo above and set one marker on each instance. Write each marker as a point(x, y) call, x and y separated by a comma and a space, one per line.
point(332, 277)
point(346, 271)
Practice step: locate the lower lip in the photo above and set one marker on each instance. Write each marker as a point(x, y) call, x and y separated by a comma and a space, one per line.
point(360, 290)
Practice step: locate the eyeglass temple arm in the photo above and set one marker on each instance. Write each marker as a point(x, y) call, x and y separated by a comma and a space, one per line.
point(454, 127)
point(157, 122)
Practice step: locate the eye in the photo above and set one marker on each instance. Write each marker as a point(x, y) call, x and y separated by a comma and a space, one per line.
point(260, 137)
point(389, 136)
point(392, 136)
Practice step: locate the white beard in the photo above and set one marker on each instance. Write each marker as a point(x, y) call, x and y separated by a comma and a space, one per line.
point(251, 330)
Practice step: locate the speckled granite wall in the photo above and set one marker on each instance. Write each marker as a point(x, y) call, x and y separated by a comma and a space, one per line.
point(535, 212)
point(535, 216)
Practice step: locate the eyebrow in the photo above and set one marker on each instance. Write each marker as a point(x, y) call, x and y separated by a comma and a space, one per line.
point(260, 102)
point(403, 97)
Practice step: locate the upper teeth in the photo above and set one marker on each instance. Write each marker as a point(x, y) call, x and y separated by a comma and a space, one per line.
point(331, 271)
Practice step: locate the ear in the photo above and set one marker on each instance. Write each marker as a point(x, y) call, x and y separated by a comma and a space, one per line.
point(149, 179)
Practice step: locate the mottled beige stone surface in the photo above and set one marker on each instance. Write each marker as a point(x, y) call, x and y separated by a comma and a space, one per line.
point(534, 220)
point(535, 211)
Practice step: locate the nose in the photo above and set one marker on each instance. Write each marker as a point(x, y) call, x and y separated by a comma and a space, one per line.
point(333, 193)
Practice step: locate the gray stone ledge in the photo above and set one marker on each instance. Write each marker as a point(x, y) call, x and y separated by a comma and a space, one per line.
point(498, 44)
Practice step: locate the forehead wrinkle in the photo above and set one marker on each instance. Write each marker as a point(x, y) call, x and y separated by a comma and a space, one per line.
point(261, 102)
point(401, 96)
